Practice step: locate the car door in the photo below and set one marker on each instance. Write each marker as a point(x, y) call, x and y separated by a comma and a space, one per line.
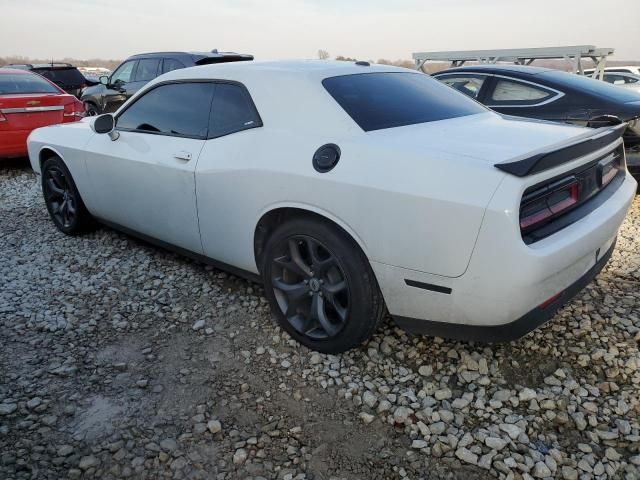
point(222, 172)
point(521, 98)
point(119, 89)
point(144, 180)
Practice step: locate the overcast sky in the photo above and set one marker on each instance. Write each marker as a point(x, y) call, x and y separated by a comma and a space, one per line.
point(373, 29)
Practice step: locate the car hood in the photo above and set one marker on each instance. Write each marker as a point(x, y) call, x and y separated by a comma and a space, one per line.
point(487, 137)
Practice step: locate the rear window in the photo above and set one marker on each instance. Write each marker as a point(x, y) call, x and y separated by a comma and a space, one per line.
point(386, 100)
point(65, 77)
point(593, 86)
point(24, 83)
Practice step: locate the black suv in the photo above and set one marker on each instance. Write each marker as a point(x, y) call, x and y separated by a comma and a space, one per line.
point(65, 75)
point(137, 70)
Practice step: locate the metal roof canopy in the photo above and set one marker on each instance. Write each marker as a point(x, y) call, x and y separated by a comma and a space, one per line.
point(522, 56)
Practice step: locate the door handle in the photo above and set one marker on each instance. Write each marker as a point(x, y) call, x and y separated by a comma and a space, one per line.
point(182, 155)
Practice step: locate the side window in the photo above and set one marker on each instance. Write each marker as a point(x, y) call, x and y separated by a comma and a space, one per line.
point(147, 69)
point(123, 73)
point(232, 111)
point(468, 84)
point(177, 109)
point(170, 64)
point(516, 93)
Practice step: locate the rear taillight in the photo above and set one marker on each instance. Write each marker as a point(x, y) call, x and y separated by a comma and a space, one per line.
point(543, 204)
point(75, 109)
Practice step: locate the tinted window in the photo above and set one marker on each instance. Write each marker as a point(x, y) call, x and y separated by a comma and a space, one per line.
point(386, 100)
point(24, 83)
point(147, 70)
point(171, 64)
point(516, 93)
point(176, 109)
point(123, 73)
point(467, 84)
point(592, 86)
point(65, 77)
point(232, 110)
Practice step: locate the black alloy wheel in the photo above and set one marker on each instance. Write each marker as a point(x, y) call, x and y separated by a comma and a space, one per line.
point(59, 194)
point(62, 199)
point(320, 285)
point(310, 287)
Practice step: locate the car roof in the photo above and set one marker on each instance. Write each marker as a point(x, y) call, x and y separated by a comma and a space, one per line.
point(212, 54)
point(14, 70)
point(41, 65)
point(315, 68)
point(522, 69)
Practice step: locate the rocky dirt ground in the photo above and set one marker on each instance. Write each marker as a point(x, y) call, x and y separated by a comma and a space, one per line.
point(121, 360)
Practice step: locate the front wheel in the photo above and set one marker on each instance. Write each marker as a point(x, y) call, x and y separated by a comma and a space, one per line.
point(320, 286)
point(62, 199)
point(91, 109)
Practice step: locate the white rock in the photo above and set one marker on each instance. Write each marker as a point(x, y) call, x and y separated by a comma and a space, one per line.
point(527, 394)
point(540, 470)
point(199, 325)
point(426, 370)
point(240, 456)
point(495, 443)
point(214, 426)
point(443, 394)
point(569, 473)
point(401, 415)
point(419, 444)
point(367, 418)
point(437, 428)
point(369, 399)
point(467, 456)
point(510, 429)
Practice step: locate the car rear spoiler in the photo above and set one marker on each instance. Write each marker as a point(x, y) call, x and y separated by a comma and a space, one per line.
point(564, 152)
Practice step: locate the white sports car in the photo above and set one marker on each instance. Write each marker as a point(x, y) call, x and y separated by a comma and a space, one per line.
point(348, 188)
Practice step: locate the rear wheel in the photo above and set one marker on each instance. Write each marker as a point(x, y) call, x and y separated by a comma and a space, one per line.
point(62, 199)
point(321, 286)
point(91, 109)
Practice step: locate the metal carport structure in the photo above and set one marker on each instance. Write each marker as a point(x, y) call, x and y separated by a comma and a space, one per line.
point(522, 56)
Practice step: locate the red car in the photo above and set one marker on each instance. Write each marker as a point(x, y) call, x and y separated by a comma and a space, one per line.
point(29, 101)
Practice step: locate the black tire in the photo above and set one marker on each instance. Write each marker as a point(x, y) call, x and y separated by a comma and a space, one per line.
point(332, 309)
point(65, 206)
point(91, 109)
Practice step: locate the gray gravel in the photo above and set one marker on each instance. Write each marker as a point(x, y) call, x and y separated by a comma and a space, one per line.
point(121, 360)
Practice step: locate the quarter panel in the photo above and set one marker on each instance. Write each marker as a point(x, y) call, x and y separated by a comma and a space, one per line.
point(404, 208)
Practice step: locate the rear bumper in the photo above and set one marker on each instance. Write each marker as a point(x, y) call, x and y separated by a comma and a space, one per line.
point(13, 143)
point(506, 279)
point(509, 331)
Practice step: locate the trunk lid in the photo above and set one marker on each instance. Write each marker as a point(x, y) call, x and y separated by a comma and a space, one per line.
point(488, 137)
point(32, 110)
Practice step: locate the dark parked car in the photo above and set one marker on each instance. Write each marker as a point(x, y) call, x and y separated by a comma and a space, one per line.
point(65, 75)
point(552, 95)
point(137, 70)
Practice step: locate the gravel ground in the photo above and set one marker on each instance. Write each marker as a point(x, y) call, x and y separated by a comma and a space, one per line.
point(121, 360)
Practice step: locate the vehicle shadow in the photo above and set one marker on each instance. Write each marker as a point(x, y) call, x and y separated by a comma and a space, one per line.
point(21, 163)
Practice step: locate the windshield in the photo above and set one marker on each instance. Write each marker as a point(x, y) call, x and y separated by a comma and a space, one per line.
point(24, 83)
point(590, 85)
point(386, 100)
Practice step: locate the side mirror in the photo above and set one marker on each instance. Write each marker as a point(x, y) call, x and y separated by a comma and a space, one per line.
point(104, 80)
point(104, 124)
